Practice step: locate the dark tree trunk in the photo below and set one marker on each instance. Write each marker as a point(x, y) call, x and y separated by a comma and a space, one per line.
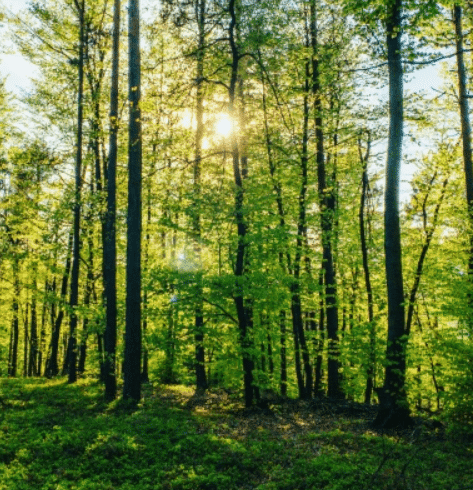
point(26, 340)
point(394, 409)
point(327, 206)
point(283, 255)
point(33, 360)
point(52, 367)
point(201, 381)
point(239, 172)
point(13, 357)
point(304, 385)
point(82, 351)
point(109, 251)
point(144, 367)
point(427, 239)
point(318, 389)
point(366, 269)
point(100, 352)
point(132, 358)
point(466, 132)
point(74, 298)
point(42, 336)
point(282, 327)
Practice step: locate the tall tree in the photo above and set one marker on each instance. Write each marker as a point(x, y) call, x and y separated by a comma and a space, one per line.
point(201, 381)
point(239, 159)
point(366, 268)
point(110, 253)
point(394, 408)
point(74, 297)
point(131, 368)
point(465, 129)
point(327, 212)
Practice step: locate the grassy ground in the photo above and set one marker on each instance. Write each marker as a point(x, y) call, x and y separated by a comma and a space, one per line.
point(56, 437)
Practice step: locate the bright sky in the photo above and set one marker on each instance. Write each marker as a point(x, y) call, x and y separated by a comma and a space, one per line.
point(19, 72)
point(16, 68)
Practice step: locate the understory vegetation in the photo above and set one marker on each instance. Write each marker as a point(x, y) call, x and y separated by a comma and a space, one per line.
point(58, 436)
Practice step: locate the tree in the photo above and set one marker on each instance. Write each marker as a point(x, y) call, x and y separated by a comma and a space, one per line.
point(110, 258)
point(74, 297)
point(465, 126)
point(394, 409)
point(240, 169)
point(327, 211)
point(201, 381)
point(131, 367)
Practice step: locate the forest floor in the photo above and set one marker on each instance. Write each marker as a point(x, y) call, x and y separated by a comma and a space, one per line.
point(55, 436)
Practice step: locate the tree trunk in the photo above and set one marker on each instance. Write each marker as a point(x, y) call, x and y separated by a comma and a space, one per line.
point(304, 385)
point(393, 408)
point(52, 367)
point(366, 269)
point(466, 132)
point(201, 381)
point(144, 367)
point(239, 172)
point(327, 206)
point(33, 361)
point(26, 339)
point(132, 358)
point(13, 357)
point(283, 378)
point(74, 298)
point(428, 234)
point(110, 250)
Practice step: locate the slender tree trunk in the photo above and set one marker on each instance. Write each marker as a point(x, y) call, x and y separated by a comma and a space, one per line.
point(52, 367)
point(428, 234)
point(74, 298)
point(42, 337)
point(109, 251)
point(243, 309)
point(305, 385)
point(394, 409)
point(282, 328)
point(26, 339)
point(327, 206)
point(144, 367)
point(366, 269)
point(282, 254)
point(466, 133)
point(33, 360)
point(201, 381)
point(89, 288)
point(132, 371)
point(13, 357)
point(318, 389)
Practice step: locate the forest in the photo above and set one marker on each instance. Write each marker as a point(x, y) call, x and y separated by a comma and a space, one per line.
point(236, 250)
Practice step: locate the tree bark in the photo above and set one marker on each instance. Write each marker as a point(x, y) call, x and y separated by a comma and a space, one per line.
point(52, 367)
point(327, 211)
point(239, 171)
point(466, 132)
point(13, 357)
point(394, 409)
point(74, 297)
point(33, 360)
point(201, 381)
point(110, 249)
point(366, 269)
point(132, 358)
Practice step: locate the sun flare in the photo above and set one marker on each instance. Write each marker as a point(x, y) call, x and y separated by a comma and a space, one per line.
point(223, 126)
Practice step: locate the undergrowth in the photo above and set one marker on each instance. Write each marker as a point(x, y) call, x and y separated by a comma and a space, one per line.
point(55, 436)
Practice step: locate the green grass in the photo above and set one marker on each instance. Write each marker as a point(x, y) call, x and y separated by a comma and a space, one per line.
point(55, 436)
